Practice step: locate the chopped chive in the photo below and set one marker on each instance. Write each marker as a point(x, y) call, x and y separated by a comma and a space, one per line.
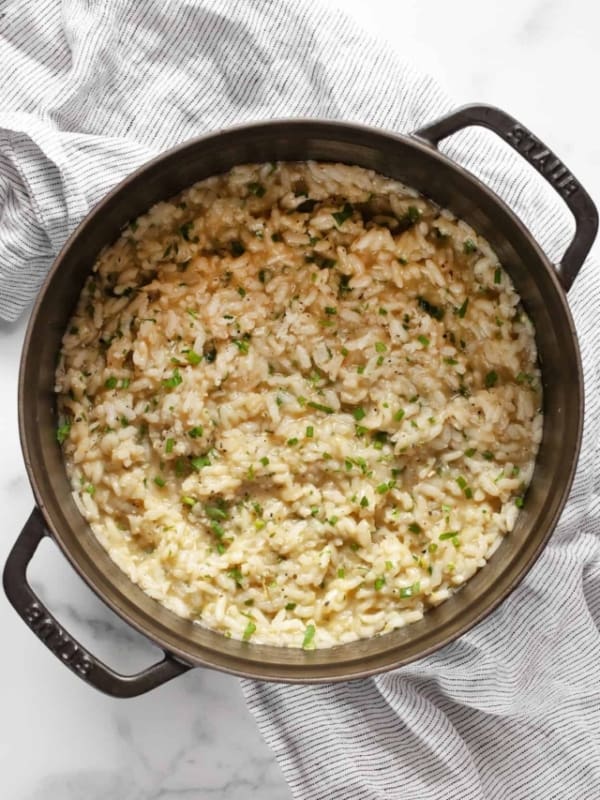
point(188, 501)
point(399, 415)
point(498, 275)
point(519, 502)
point(450, 361)
point(488, 455)
point(237, 248)
point(364, 502)
point(62, 432)
point(379, 583)
point(333, 520)
point(383, 312)
point(424, 340)
point(448, 535)
point(414, 527)
point(159, 481)
point(215, 512)
point(380, 347)
point(185, 229)
point(359, 413)
point(470, 452)
point(360, 369)
point(490, 379)
point(169, 445)
point(341, 216)
point(195, 432)
point(256, 189)
point(249, 630)
point(409, 591)
point(110, 383)
point(469, 246)
point(341, 573)
point(236, 575)
point(293, 441)
point(174, 381)
point(290, 606)
point(461, 481)
point(413, 214)
point(462, 310)
point(432, 547)
point(434, 311)
point(389, 565)
point(241, 291)
point(264, 461)
point(217, 529)
point(309, 635)
point(193, 358)
point(354, 546)
point(242, 345)
point(90, 489)
point(383, 488)
point(320, 407)
point(330, 310)
point(310, 432)
point(199, 462)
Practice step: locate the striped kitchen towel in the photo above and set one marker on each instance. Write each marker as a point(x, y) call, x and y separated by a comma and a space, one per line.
point(92, 90)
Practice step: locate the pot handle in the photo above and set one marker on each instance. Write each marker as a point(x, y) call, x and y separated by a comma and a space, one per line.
point(545, 162)
point(62, 644)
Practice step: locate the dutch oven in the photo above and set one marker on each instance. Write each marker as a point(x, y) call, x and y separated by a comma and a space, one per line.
point(416, 161)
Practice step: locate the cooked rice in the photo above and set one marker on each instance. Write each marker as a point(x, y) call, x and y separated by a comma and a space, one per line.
point(299, 403)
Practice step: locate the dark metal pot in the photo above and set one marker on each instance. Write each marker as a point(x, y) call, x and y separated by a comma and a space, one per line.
point(416, 161)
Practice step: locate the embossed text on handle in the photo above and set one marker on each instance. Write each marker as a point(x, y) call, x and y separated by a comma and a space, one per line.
point(57, 640)
point(543, 159)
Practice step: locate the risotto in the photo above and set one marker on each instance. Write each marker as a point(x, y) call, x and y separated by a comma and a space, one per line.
point(299, 403)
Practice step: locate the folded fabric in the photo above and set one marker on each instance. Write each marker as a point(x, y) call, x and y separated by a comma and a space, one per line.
point(91, 91)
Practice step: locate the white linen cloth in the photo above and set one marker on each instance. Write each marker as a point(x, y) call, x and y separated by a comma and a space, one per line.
point(90, 91)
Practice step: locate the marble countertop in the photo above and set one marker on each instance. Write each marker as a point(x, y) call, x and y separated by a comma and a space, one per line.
point(61, 740)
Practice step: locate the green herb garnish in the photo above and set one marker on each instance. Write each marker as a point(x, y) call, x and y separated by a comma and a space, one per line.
point(249, 630)
point(462, 310)
point(320, 407)
point(62, 432)
point(199, 462)
point(490, 379)
point(256, 189)
point(434, 311)
point(174, 381)
point(341, 216)
point(309, 635)
point(236, 575)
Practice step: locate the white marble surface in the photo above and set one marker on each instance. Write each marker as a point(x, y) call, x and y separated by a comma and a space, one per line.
point(59, 739)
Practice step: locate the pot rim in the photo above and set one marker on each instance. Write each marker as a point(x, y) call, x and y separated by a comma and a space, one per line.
point(253, 669)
